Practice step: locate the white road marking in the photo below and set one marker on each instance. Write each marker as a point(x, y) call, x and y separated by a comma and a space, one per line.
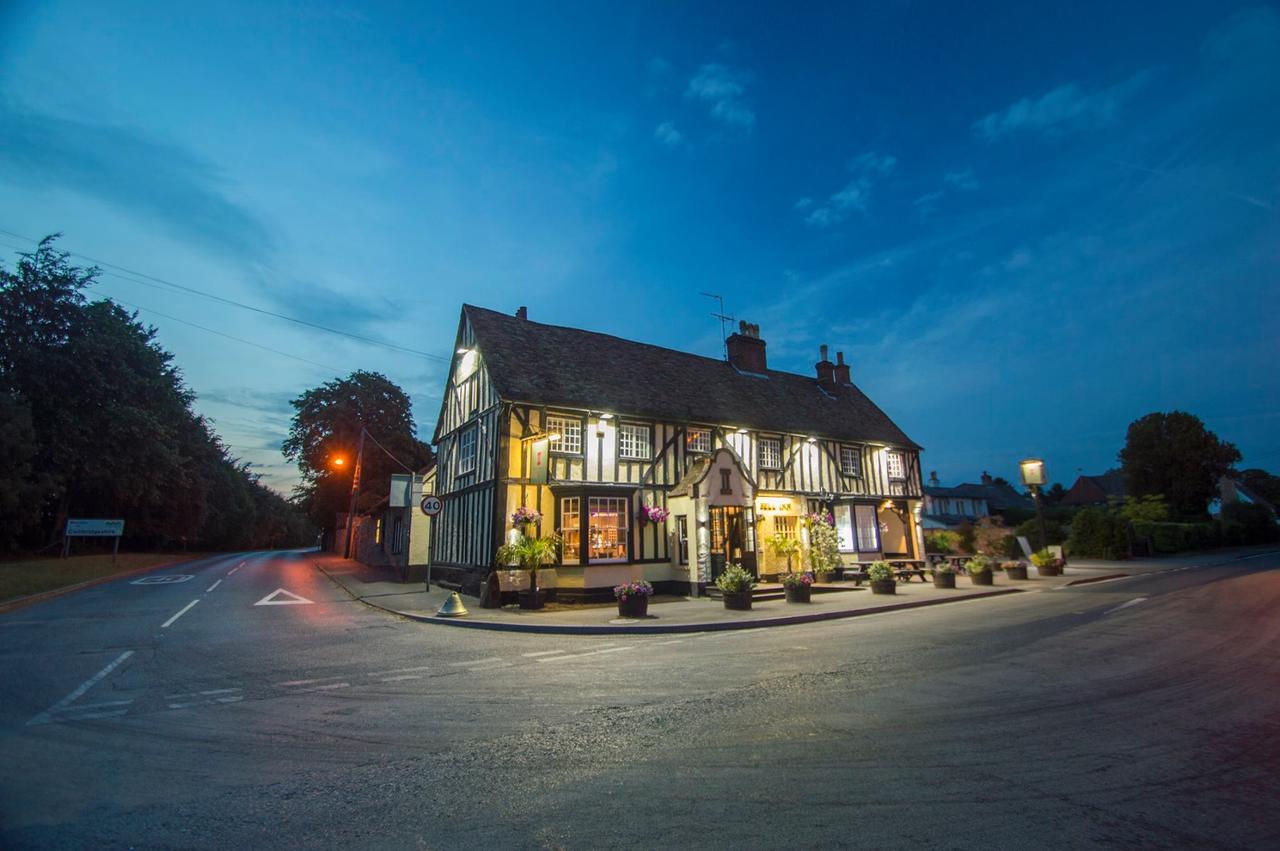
point(234, 569)
point(320, 688)
point(45, 717)
point(270, 599)
point(216, 700)
point(163, 579)
point(1132, 602)
point(185, 609)
point(589, 653)
point(307, 682)
point(214, 585)
point(488, 661)
point(202, 693)
point(401, 671)
point(402, 677)
point(542, 653)
point(672, 641)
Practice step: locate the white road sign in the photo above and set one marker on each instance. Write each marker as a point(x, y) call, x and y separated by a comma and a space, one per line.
point(85, 528)
point(431, 505)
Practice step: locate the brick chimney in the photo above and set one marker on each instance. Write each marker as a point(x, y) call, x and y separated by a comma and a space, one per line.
point(826, 370)
point(522, 312)
point(986, 478)
point(842, 370)
point(933, 479)
point(746, 349)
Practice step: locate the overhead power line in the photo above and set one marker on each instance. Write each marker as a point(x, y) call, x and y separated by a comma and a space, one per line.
point(143, 278)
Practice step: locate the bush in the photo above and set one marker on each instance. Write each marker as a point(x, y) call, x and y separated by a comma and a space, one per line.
point(735, 579)
point(941, 541)
point(1177, 537)
point(1054, 532)
point(979, 564)
point(1096, 533)
point(1247, 523)
point(992, 538)
point(965, 533)
point(879, 571)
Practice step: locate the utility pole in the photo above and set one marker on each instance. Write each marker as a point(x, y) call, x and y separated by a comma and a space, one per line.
point(724, 338)
point(355, 488)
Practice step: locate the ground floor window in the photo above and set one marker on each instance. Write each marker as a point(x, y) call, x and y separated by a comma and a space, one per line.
point(844, 527)
point(570, 530)
point(682, 538)
point(608, 528)
point(784, 525)
point(868, 528)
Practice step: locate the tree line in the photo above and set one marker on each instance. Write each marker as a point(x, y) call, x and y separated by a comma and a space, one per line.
point(96, 421)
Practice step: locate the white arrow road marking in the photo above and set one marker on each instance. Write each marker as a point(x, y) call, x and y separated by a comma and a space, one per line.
point(45, 717)
point(185, 609)
point(270, 599)
point(1132, 602)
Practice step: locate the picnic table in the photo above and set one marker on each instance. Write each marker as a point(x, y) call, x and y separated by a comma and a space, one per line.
point(904, 569)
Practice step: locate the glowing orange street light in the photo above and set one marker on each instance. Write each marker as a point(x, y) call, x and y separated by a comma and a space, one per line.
point(339, 461)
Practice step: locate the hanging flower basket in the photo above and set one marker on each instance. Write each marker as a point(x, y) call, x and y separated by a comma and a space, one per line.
point(654, 514)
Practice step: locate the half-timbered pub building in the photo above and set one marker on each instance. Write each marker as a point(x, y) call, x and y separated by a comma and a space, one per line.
point(656, 464)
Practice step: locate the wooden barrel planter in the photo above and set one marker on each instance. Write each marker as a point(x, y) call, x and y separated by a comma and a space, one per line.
point(1019, 572)
point(635, 606)
point(884, 586)
point(799, 593)
point(737, 600)
point(983, 578)
point(1049, 570)
point(944, 580)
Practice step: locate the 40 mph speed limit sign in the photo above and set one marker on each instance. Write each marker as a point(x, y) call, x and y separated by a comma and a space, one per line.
point(431, 505)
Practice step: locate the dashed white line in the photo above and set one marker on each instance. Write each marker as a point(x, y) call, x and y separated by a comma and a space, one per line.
point(672, 641)
point(216, 700)
point(1132, 602)
point(307, 682)
point(205, 693)
point(185, 609)
point(234, 569)
point(45, 717)
point(588, 653)
point(401, 677)
point(328, 687)
point(214, 585)
point(542, 653)
point(488, 661)
point(401, 671)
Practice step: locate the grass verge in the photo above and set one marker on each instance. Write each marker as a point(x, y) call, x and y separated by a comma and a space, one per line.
point(23, 578)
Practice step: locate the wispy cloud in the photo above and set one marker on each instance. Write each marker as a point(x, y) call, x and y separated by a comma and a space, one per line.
point(723, 89)
point(855, 196)
point(169, 185)
point(667, 134)
point(1060, 110)
point(963, 180)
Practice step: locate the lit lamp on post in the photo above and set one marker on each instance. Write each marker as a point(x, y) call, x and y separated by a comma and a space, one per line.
point(1033, 478)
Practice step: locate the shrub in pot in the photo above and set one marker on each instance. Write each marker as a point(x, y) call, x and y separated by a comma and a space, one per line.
point(979, 570)
point(824, 545)
point(530, 553)
point(1014, 569)
point(798, 587)
point(880, 577)
point(1047, 564)
point(736, 584)
point(633, 598)
point(944, 575)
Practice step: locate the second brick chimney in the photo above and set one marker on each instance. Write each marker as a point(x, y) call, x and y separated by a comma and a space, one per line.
point(826, 370)
point(842, 370)
point(746, 349)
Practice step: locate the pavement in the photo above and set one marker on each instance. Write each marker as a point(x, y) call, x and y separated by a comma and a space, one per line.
point(254, 703)
point(378, 587)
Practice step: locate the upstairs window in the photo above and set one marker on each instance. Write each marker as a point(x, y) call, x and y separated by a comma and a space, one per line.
point(770, 453)
point(896, 465)
point(467, 451)
point(851, 460)
point(570, 431)
point(633, 442)
point(698, 440)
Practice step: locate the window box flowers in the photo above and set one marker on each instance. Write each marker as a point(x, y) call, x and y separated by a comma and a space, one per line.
point(979, 570)
point(735, 583)
point(633, 598)
point(798, 587)
point(880, 578)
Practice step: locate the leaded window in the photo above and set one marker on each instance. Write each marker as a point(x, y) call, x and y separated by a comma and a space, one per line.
point(851, 460)
point(896, 465)
point(633, 442)
point(467, 451)
point(570, 431)
point(698, 440)
point(770, 453)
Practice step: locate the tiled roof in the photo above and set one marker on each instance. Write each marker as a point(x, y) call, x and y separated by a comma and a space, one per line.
point(998, 496)
point(552, 365)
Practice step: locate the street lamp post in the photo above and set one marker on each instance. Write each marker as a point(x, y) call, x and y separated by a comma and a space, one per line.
point(355, 489)
point(1033, 478)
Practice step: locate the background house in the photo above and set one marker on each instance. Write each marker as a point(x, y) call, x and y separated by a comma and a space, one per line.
point(1095, 490)
point(948, 507)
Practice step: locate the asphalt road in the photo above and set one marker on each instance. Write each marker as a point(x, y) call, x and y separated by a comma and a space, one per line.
point(1136, 713)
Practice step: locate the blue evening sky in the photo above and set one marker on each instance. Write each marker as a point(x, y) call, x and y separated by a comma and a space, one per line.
point(1025, 226)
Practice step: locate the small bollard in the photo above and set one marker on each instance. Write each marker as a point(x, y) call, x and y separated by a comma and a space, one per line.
point(452, 607)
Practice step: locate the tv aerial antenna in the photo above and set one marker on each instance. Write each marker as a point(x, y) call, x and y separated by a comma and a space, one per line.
point(723, 317)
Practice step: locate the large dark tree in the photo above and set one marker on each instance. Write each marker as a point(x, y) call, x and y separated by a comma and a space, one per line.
point(96, 421)
point(326, 426)
point(1175, 455)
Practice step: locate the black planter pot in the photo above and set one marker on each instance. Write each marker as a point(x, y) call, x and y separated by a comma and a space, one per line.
point(635, 606)
point(737, 600)
point(1049, 570)
point(533, 600)
point(983, 578)
point(1016, 572)
point(944, 580)
point(823, 577)
point(884, 586)
point(799, 593)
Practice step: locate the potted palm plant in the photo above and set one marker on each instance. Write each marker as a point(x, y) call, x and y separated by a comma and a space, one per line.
point(979, 570)
point(530, 553)
point(798, 587)
point(944, 575)
point(1015, 569)
point(1047, 564)
point(736, 584)
point(880, 576)
point(633, 598)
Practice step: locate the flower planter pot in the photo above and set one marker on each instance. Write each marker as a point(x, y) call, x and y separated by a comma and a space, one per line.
point(1049, 570)
point(822, 577)
point(884, 586)
point(983, 578)
point(799, 593)
point(737, 600)
point(944, 580)
point(635, 606)
point(533, 599)
point(1016, 572)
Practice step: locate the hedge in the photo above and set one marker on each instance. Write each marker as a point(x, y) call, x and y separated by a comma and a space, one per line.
point(1096, 533)
point(1168, 537)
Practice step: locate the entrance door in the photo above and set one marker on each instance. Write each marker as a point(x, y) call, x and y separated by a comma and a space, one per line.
point(733, 538)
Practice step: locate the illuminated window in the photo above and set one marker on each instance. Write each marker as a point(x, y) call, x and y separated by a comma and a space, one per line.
point(377, 531)
point(607, 531)
point(868, 528)
point(633, 442)
point(770, 453)
point(571, 529)
point(682, 538)
point(467, 451)
point(851, 460)
point(896, 465)
point(698, 440)
point(844, 527)
point(785, 526)
point(570, 431)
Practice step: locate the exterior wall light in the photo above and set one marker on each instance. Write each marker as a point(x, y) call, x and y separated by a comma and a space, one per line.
point(1032, 471)
point(742, 431)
